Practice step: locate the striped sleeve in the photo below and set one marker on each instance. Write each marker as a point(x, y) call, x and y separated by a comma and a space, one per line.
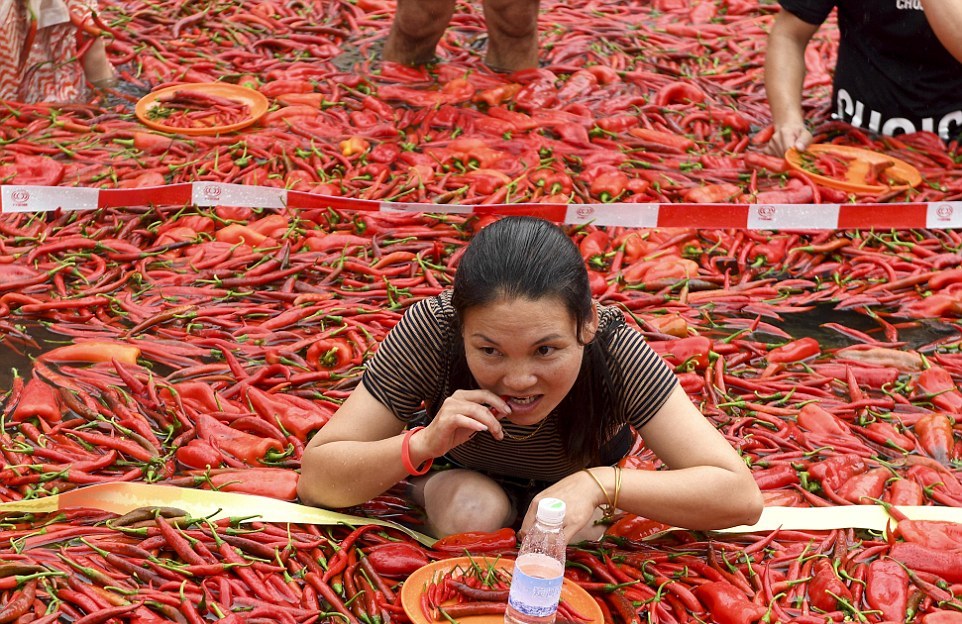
point(647, 380)
point(406, 369)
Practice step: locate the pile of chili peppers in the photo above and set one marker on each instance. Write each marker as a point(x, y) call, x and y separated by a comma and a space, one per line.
point(202, 347)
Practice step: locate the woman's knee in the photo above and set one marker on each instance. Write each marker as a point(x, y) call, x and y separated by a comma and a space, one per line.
point(512, 18)
point(461, 500)
point(423, 20)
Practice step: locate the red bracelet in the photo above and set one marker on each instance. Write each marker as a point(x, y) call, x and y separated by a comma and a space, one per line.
point(406, 455)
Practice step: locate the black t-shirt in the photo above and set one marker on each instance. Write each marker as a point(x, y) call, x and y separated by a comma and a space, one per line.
point(893, 74)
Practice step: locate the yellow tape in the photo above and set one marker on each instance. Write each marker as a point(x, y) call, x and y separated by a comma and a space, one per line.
point(121, 498)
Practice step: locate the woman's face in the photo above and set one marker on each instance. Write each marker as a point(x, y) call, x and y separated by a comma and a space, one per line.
point(526, 351)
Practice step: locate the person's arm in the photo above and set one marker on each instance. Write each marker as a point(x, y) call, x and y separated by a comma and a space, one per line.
point(701, 464)
point(945, 18)
point(784, 79)
point(357, 454)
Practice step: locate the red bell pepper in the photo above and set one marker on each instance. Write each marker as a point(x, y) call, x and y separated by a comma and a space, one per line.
point(865, 488)
point(727, 604)
point(397, 559)
point(941, 388)
point(887, 589)
point(38, 399)
point(934, 432)
point(826, 588)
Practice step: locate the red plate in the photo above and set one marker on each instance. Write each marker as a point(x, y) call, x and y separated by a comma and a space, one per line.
point(860, 160)
point(255, 100)
point(579, 600)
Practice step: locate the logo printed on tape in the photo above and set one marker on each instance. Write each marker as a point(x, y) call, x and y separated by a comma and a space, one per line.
point(944, 212)
point(212, 192)
point(766, 212)
point(20, 197)
point(584, 212)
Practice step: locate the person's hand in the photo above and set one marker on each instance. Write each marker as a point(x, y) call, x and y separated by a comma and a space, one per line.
point(789, 135)
point(462, 415)
point(581, 496)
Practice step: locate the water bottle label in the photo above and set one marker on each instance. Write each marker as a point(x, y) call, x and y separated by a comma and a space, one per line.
point(534, 596)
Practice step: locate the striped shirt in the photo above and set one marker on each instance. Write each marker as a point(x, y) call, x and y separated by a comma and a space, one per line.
point(410, 373)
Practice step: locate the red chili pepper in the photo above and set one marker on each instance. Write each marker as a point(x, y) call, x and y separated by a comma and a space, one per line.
point(813, 418)
point(886, 433)
point(671, 142)
point(477, 541)
point(836, 469)
point(279, 483)
point(93, 351)
point(398, 559)
point(794, 351)
point(679, 93)
point(298, 419)
point(776, 477)
point(691, 353)
point(904, 492)
point(199, 454)
point(941, 388)
point(635, 528)
point(944, 563)
point(931, 533)
point(712, 193)
point(248, 448)
point(728, 604)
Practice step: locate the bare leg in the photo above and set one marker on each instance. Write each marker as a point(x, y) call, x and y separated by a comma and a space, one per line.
point(462, 500)
point(97, 69)
point(512, 34)
point(417, 28)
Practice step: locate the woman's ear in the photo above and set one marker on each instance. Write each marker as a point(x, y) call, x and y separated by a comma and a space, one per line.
point(591, 326)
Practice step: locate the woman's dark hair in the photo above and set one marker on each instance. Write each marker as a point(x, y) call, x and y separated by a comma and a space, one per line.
point(530, 258)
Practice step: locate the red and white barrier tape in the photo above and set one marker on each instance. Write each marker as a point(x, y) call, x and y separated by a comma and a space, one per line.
point(936, 215)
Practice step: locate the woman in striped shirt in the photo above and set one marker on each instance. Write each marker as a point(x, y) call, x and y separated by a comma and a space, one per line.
point(529, 389)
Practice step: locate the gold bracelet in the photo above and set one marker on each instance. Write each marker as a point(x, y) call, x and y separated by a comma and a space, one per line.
point(614, 504)
point(607, 509)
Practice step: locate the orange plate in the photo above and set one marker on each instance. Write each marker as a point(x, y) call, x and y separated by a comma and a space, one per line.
point(854, 181)
point(580, 600)
point(255, 100)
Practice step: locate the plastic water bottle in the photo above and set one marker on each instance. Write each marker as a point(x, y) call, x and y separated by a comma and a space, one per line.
point(539, 570)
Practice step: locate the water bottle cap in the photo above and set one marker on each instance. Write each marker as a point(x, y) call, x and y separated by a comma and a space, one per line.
point(551, 510)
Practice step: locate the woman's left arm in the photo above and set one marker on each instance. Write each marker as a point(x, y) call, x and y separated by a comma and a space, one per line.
point(707, 486)
point(945, 18)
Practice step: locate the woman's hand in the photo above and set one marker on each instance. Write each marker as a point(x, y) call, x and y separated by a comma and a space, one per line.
point(581, 496)
point(462, 415)
point(789, 135)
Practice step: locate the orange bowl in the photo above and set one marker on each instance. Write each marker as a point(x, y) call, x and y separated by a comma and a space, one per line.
point(860, 163)
point(255, 100)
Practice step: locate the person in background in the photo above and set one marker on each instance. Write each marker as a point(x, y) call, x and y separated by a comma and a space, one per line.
point(899, 67)
point(512, 32)
point(529, 389)
point(46, 55)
